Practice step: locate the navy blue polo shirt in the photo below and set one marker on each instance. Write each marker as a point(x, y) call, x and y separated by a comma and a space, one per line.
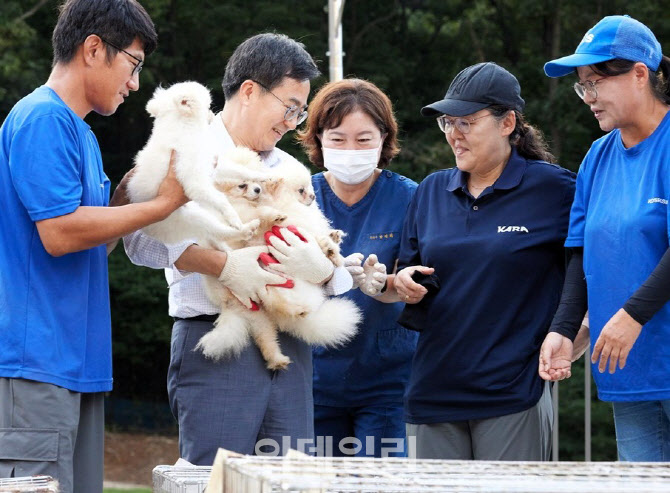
point(500, 261)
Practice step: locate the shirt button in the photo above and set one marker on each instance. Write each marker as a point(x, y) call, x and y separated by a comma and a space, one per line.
point(475, 208)
point(388, 173)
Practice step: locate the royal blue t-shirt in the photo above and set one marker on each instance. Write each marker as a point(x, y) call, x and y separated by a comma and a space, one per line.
point(54, 311)
point(373, 367)
point(501, 265)
point(621, 218)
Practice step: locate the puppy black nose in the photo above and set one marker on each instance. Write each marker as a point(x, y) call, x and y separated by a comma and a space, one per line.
point(257, 190)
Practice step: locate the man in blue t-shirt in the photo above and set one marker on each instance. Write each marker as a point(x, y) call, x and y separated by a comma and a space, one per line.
point(55, 328)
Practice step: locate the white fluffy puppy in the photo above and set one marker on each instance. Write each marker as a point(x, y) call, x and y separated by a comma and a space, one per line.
point(302, 310)
point(304, 212)
point(181, 119)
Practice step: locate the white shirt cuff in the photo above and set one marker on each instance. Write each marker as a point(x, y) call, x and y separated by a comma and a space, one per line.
point(339, 283)
point(174, 252)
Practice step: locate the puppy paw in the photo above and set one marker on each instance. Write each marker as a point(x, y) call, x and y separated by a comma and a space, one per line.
point(336, 258)
point(249, 229)
point(279, 362)
point(279, 218)
point(337, 235)
point(271, 215)
point(235, 223)
point(331, 250)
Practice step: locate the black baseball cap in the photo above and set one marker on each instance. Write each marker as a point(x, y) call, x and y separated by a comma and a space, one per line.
point(477, 87)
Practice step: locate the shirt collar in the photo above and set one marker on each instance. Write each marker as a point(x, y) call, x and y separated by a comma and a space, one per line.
point(510, 177)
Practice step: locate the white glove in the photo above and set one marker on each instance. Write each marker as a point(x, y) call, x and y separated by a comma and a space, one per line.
point(353, 265)
point(244, 276)
point(298, 258)
point(375, 276)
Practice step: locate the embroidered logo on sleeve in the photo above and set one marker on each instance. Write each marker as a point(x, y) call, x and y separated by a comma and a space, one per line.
point(512, 229)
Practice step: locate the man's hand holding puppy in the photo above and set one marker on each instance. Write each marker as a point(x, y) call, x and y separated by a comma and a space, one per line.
point(238, 270)
point(300, 256)
point(244, 276)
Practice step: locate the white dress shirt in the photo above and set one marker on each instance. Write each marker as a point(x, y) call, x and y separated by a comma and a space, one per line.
point(187, 296)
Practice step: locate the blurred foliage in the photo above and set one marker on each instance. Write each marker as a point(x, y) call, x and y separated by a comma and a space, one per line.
point(141, 327)
point(410, 48)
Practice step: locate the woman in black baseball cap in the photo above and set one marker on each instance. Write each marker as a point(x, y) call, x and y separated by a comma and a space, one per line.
point(492, 228)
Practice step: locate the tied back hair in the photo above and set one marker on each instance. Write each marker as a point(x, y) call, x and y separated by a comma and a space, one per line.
point(528, 140)
point(658, 81)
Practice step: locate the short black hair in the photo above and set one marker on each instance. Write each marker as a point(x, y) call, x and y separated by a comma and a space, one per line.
point(267, 58)
point(116, 21)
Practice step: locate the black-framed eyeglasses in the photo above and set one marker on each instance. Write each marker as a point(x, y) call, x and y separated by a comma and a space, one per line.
point(292, 111)
point(588, 86)
point(137, 68)
point(447, 124)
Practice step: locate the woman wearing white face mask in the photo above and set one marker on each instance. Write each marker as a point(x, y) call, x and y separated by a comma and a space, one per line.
point(358, 389)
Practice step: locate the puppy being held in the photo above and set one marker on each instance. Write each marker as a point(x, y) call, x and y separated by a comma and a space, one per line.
point(181, 123)
point(298, 306)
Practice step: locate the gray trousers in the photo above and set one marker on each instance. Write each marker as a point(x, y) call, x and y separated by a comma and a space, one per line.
point(49, 430)
point(237, 403)
point(522, 436)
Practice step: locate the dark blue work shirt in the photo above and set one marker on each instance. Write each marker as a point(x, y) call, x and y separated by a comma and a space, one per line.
point(373, 367)
point(500, 261)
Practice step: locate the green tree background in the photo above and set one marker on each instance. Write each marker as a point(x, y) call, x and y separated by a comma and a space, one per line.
point(410, 48)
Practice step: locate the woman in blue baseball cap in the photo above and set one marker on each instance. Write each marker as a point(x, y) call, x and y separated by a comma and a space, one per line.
point(619, 230)
point(489, 235)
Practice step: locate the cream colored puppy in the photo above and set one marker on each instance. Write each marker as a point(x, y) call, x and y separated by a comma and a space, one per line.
point(302, 310)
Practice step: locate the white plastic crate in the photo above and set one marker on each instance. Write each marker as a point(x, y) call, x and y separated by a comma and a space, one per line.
point(179, 479)
point(33, 484)
point(325, 475)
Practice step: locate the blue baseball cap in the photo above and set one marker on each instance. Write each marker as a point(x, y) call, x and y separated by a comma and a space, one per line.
point(614, 37)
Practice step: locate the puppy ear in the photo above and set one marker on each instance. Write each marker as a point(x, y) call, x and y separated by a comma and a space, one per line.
point(156, 102)
point(185, 103)
point(273, 184)
point(193, 99)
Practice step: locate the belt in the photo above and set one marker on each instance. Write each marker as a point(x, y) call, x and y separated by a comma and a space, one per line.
point(199, 318)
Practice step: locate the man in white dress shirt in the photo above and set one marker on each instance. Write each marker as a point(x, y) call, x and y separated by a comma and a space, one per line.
point(237, 403)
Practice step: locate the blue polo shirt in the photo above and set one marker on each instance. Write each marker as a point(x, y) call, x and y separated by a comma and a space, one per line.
point(621, 218)
point(54, 311)
point(373, 368)
point(500, 261)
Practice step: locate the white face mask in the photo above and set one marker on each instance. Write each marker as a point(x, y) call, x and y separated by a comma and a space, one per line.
point(351, 166)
